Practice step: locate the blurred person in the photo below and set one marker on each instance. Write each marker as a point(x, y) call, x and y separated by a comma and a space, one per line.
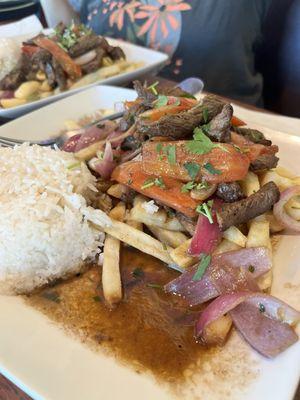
point(215, 40)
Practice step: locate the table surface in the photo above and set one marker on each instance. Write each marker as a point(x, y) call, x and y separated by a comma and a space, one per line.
point(8, 391)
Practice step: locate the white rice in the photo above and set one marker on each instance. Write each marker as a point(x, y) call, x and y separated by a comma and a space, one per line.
point(45, 231)
point(150, 207)
point(10, 51)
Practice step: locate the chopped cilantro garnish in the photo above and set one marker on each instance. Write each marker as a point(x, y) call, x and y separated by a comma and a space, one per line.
point(170, 151)
point(161, 101)
point(164, 246)
point(148, 183)
point(205, 115)
point(154, 285)
point(97, 299)
point(262, 308)
point(192, 169)
point(210, 168)
point(74, 166)
point(153, 88)
point(204, 263)
point(129, 182)
point(159, 147)
point(153, 182)
point(188, 96)
point(205, 209)
point(176, 103)
point(188, 186)
point(201, 143)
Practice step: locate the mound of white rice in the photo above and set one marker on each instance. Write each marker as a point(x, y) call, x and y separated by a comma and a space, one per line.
point(44, 229)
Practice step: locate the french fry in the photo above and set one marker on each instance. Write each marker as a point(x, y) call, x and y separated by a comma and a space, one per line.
point(27, 89)
point(135, 238)
point(71, 125)
point(275, 225)
point(250, 184)
point(225, 246)
point(117, 190)
point(216, 332)
point(180, 256)
point(159, 219)
point(9, 103)
point(259, 233)
point(171, 238)
point(111, 278)
point(281, 181)
point(233, 234)
point(135, 225)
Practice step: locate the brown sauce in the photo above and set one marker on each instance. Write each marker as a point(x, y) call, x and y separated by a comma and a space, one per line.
point(149, 330)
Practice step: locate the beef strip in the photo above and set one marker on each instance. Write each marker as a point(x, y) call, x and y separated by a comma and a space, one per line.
point(17, 75)
point(242, 211)
point(188, 223)
point(182, 124)
point(86, 43)
point(264, 162)
point(146, 98)
point(229, 192)
point(219, 127)
point(60, 76)
point(253, 135)
point(117, 53)
point(49, 71)
point(95, 63)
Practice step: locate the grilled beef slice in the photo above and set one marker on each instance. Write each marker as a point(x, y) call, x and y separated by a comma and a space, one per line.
point(242, 211)
point(182, 124)
point(86, 43)
point(264, 162)
point(188, 223)
point(116, 53)
point(219, 126)
point(17, 75)
point(59, 73)
point(253, 135)
point(229, 192)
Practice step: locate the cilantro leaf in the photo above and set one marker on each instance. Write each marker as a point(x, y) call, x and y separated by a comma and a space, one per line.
point(161, 101)
point(153, 182)
point(205, 209)
point(188, 96)
point(201, 143)
point(170, 151)
point(192, 169)
point(203, 265)
point(153, 88)
point(188, 186)
point(159, 147)
point(205, 115)
point(210, 168)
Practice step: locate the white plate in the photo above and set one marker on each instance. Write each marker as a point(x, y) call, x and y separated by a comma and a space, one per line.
point(40, 358)
point(152, 62)
point(48, 121)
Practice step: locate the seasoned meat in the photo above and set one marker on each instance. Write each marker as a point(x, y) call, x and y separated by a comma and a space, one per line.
point(253, 135)
point(38, 61)
point(188, 223)
point(49, 71)
point(60, 76)
point(95, 63)
point(145, 95)
point(229, 192)
point(219, 126)
point(242, 211)
point(86, 43)
point(18, 75)
point(146, 98)
point(182, 124)
point(263, 162)
point(117, 53)
point(130, 143)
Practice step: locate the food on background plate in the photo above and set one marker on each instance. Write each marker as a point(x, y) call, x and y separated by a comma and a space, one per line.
point(201, 202)
point(71, 57)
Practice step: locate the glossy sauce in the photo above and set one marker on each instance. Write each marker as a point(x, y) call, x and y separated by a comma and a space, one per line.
point(149, 330)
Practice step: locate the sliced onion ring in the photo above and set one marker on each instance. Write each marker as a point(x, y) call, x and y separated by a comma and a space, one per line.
point(85, 58)
point(280, 213)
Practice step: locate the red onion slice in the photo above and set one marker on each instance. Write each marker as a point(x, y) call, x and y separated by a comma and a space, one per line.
point(279, 211)
point(263, 320)
point(105, 166)
point(85, 58)
point(223, 275)
point(206, 237)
